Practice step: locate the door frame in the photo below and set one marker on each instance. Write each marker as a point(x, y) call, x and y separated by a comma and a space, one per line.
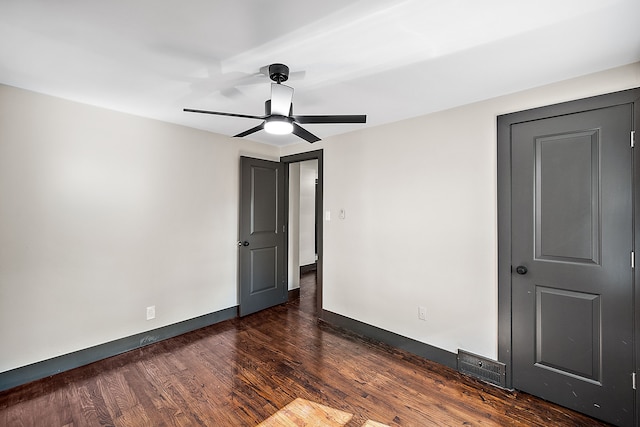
point(504, 123)
point(287, 161)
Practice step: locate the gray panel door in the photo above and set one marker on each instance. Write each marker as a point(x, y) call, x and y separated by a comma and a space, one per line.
point(572, 283)
point(261, 241)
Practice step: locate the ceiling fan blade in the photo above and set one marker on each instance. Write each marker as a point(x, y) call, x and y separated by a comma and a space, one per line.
point(218, 113)
point(250, 131)
point(297, 75)
point(304, 134)
point(281, 97)
point(355, 118)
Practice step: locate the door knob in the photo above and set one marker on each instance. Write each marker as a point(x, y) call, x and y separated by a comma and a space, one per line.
point(245, 243)
point(521, 269)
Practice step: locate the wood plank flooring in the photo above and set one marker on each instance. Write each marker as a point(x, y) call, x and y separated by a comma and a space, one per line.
point(242, 371)
point(301, 412)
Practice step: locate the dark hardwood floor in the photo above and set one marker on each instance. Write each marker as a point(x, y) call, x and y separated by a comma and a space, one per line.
point(241, 371)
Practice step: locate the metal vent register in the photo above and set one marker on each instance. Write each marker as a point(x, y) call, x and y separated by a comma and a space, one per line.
point(487, 370)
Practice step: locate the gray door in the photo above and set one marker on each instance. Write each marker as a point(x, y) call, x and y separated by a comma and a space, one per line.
point(571, 243)
point(261, 236)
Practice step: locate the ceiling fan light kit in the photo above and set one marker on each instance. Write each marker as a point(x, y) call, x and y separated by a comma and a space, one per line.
point(278, 125)
point(279, 118)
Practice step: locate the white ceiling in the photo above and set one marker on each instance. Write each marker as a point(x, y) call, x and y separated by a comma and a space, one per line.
point(391, 60)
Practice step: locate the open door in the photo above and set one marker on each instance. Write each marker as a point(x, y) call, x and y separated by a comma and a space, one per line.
point(263, 269)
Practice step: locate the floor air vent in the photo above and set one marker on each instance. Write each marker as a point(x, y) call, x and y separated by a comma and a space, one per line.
point(482, 368)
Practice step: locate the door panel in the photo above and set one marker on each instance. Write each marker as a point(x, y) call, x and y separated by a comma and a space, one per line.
point(567, 197)
point(262, 261)
point(561, 314)
point(264, 181)
point(572, 309)
point(264, 266)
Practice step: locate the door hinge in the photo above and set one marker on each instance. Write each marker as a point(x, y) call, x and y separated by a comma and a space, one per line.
point(633, 380)
point(633, 259)
point(633, 138)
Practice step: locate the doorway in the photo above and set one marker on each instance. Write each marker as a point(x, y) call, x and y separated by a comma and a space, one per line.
point(313, 249)
point(263, 237)
point(303, 178)
point(566, 253)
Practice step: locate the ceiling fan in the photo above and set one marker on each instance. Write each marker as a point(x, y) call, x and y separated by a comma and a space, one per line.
point(278, 111)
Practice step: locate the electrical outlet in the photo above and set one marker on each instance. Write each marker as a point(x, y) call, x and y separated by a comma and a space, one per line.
point(422, 313)
point(151, 312)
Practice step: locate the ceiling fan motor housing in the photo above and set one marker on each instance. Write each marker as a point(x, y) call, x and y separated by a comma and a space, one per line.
point(278, 73)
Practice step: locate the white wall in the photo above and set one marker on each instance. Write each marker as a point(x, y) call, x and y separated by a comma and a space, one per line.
point(308, 175)
point(103, 214)
point(421, 224)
